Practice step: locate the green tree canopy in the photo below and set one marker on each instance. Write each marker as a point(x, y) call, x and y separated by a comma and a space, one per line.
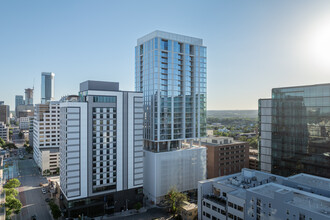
point(11, 191)
point(56, 212)
point(13, 204)
point(13, 183)
point(174, 199)
point(2, 142)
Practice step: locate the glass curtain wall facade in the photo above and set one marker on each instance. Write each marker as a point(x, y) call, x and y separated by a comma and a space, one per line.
point(171, 73)
point(300, 130)
point(47, 87)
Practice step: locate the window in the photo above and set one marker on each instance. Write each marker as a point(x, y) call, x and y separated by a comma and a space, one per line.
point(258, 202)
point(105, 99)
point(301, 216)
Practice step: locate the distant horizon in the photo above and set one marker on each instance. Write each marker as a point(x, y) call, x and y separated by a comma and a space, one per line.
point(256, 45)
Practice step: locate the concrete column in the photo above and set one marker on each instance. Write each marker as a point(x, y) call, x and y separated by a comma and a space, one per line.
point(157, 146)
point(168, 146)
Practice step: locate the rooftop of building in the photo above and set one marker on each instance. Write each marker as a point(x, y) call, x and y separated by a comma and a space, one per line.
point(170, 36)
point(99, 86)
point(311, 181)
point(189, 206)
point(93, 85)
point(48, 73)
point(303, 86)
point(297, 198)
point(220, 141)
point(246, 179)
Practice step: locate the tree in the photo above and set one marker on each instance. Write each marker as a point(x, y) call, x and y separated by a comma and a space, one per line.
point(46, 172)
point(12, 204)
point(29, 149)
point(174, 200)
point(10, 132)
point(243, 138)
point(57, 170)
point(253, 142)
point(11, 192)
point(20, 134)
point(10, 146)
point(56, 212)
point(138, 206)
point(2, 142)
point(13, 183)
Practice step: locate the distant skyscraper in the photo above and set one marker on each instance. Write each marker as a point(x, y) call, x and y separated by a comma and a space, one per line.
point(171, 72)
point(47, 87)
point(28, 96)
point(295, 131)
point(19, 100)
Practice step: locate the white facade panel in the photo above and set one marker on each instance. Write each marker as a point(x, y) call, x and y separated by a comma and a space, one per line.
point(182, 169)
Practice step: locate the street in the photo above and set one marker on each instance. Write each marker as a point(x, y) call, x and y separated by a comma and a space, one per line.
point(33, 201)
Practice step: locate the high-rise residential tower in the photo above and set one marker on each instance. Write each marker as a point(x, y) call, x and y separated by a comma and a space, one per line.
point(19, 100)
point(170, 70)
point(295, 131)
point(28, 96)
point(101, 150)
point(47, 87)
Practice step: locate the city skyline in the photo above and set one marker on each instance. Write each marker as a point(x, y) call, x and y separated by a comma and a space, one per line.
point(253, 47)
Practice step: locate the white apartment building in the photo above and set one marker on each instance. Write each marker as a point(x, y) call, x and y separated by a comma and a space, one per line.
point(46, 136)
point(24, 123)
point(4, 131)
point(101, 150)
point(258, 195)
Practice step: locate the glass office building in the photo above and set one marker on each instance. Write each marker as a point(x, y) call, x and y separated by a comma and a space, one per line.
point(170, 70)
point(47, 87)
point(295, 131)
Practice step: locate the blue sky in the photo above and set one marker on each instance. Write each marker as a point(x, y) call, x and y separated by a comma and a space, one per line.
point(253, 46)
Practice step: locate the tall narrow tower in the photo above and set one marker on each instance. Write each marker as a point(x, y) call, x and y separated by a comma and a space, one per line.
point(28, 96)
point(171, 72)
point(47, 87)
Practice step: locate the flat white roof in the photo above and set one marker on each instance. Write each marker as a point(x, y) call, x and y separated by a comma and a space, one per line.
point(312, 181)
point(300, 199)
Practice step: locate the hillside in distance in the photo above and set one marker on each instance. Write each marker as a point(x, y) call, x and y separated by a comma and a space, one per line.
point(221, 114)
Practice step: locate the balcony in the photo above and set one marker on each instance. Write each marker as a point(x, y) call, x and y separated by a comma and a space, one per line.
point(219, 200)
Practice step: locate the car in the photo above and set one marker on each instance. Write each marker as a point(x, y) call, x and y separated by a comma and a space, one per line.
point(47, 200)
point(43, 191)
point(33, 217)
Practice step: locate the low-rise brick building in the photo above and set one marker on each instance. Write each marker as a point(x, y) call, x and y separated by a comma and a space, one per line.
point(225, 156)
